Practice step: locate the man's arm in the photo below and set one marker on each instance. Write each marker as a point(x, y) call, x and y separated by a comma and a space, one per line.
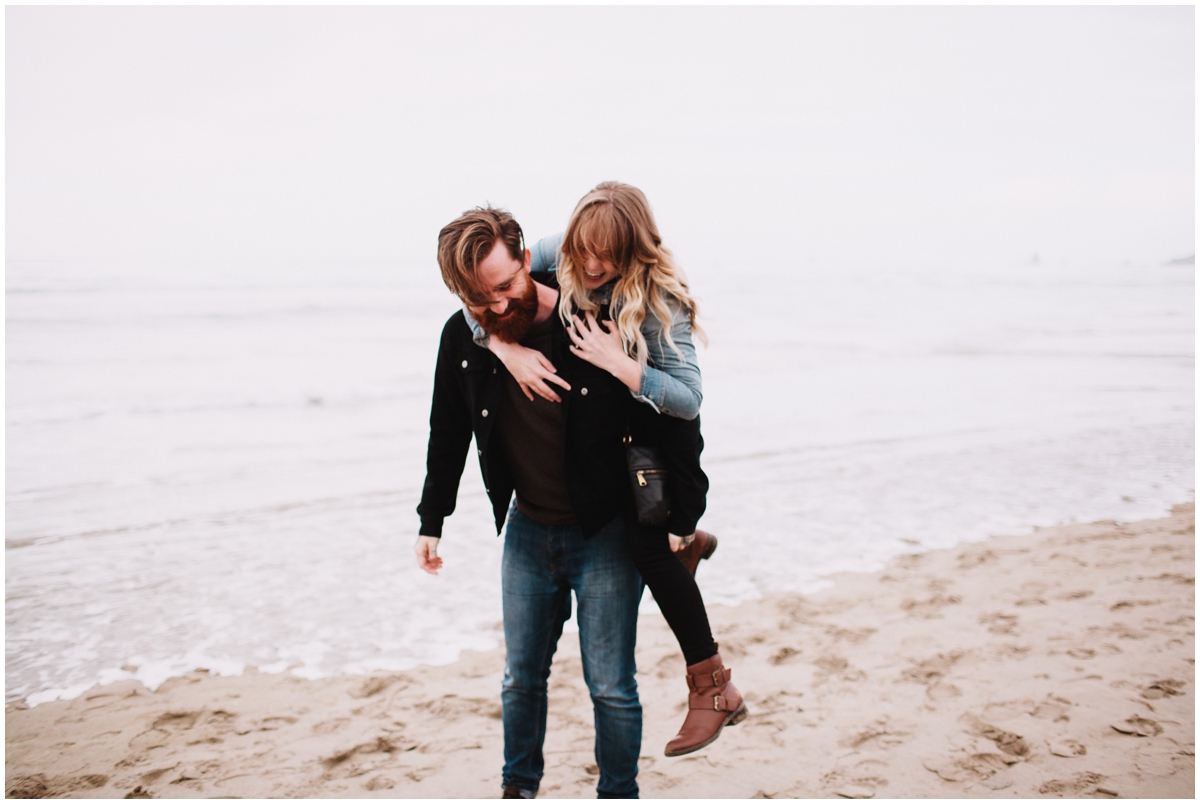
point(449, 438)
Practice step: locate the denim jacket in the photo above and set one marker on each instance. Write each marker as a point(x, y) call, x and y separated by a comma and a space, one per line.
point(671, 380)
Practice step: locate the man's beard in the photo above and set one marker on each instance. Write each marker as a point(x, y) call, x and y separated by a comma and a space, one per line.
point(513, 324)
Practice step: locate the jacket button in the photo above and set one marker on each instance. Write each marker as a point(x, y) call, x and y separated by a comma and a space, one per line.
point(583, 392)
point(493, 371)
point(485, 413)
point(464, 364)
point(479, 451)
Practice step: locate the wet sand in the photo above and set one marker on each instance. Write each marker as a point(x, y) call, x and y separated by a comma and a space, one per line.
point(1055, 664)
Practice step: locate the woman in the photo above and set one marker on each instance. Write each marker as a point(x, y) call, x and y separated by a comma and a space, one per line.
point(613, 268)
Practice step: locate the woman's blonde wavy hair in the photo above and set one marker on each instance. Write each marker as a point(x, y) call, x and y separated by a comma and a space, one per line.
point(613, 222)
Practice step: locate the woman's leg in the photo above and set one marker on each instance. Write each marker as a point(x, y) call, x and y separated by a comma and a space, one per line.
point(674, 590)
point(713, 701)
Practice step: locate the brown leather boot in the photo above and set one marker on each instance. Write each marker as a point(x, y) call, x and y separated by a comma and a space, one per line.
point(713, 704)
point(703, 545)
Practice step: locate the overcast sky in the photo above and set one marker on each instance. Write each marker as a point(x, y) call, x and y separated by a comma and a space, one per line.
point(828, 136)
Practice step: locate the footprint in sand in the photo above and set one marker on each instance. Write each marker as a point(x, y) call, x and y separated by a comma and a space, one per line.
point(153, 776)
point(1155, 765)
point(1053, 708)
point(372, 687)
point(276, 722)
point(1077, 786)
point(450, 705)
point(859, 781)
point(999, 623)
point(1031, 594)
point(774, 703)
point(1077, 595)
point(833, 666)
point(1123, 631)
point(942, 691)
point(28, 787)
point(1066, 748)
point(1011, 744)
point(1185, 580)
point(147, 740)
point(969, 560)
point(879, 734)
point(1011, 651)
point(931, 670)
point(972, 767)
point(177, 721)
point(1000, 781)
point(1140, 726)
point(1163, 688)
point(1129, 604)
point(380, 783)
point(854, 635)
point(855, 791)
point(380, 745)
point(931, 608)
point(330, 726)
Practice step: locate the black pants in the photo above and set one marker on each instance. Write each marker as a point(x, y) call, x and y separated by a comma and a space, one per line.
point(674, 590)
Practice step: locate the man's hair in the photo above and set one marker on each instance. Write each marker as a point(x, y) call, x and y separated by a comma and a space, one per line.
point(467, 240)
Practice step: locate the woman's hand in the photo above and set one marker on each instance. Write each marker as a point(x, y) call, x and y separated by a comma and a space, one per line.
point(679, 542)
point(603, 349)
point(530, 368)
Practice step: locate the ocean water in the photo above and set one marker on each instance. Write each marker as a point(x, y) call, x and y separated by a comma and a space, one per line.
point(218, 466)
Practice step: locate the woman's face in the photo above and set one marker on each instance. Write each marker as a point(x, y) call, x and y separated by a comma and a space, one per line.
point(597, 272)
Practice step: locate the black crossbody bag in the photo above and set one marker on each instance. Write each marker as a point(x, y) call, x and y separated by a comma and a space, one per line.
point(648, 477)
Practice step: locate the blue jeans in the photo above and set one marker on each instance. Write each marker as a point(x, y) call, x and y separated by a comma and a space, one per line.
point(542, 564)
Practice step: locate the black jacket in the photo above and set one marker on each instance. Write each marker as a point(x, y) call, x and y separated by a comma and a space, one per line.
point(598, 410)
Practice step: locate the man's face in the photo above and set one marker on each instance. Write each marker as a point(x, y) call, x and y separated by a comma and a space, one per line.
point(514, 296)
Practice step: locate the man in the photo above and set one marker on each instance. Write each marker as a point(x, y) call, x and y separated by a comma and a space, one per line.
point(566, 465)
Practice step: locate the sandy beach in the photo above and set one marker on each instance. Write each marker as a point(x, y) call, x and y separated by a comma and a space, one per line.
point(1054, 664)
point(944, 263)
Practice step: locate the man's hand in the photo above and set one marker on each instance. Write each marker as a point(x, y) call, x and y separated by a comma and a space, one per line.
point(603, 349)
point(530, 368)
point(427, 557)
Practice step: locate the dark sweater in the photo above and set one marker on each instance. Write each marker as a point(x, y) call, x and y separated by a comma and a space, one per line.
point(466, 390)
point(531, 433)
point(598, 411)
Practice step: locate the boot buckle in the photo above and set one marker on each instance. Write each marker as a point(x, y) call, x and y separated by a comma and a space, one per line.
point(718, 700)
point(718, 679)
